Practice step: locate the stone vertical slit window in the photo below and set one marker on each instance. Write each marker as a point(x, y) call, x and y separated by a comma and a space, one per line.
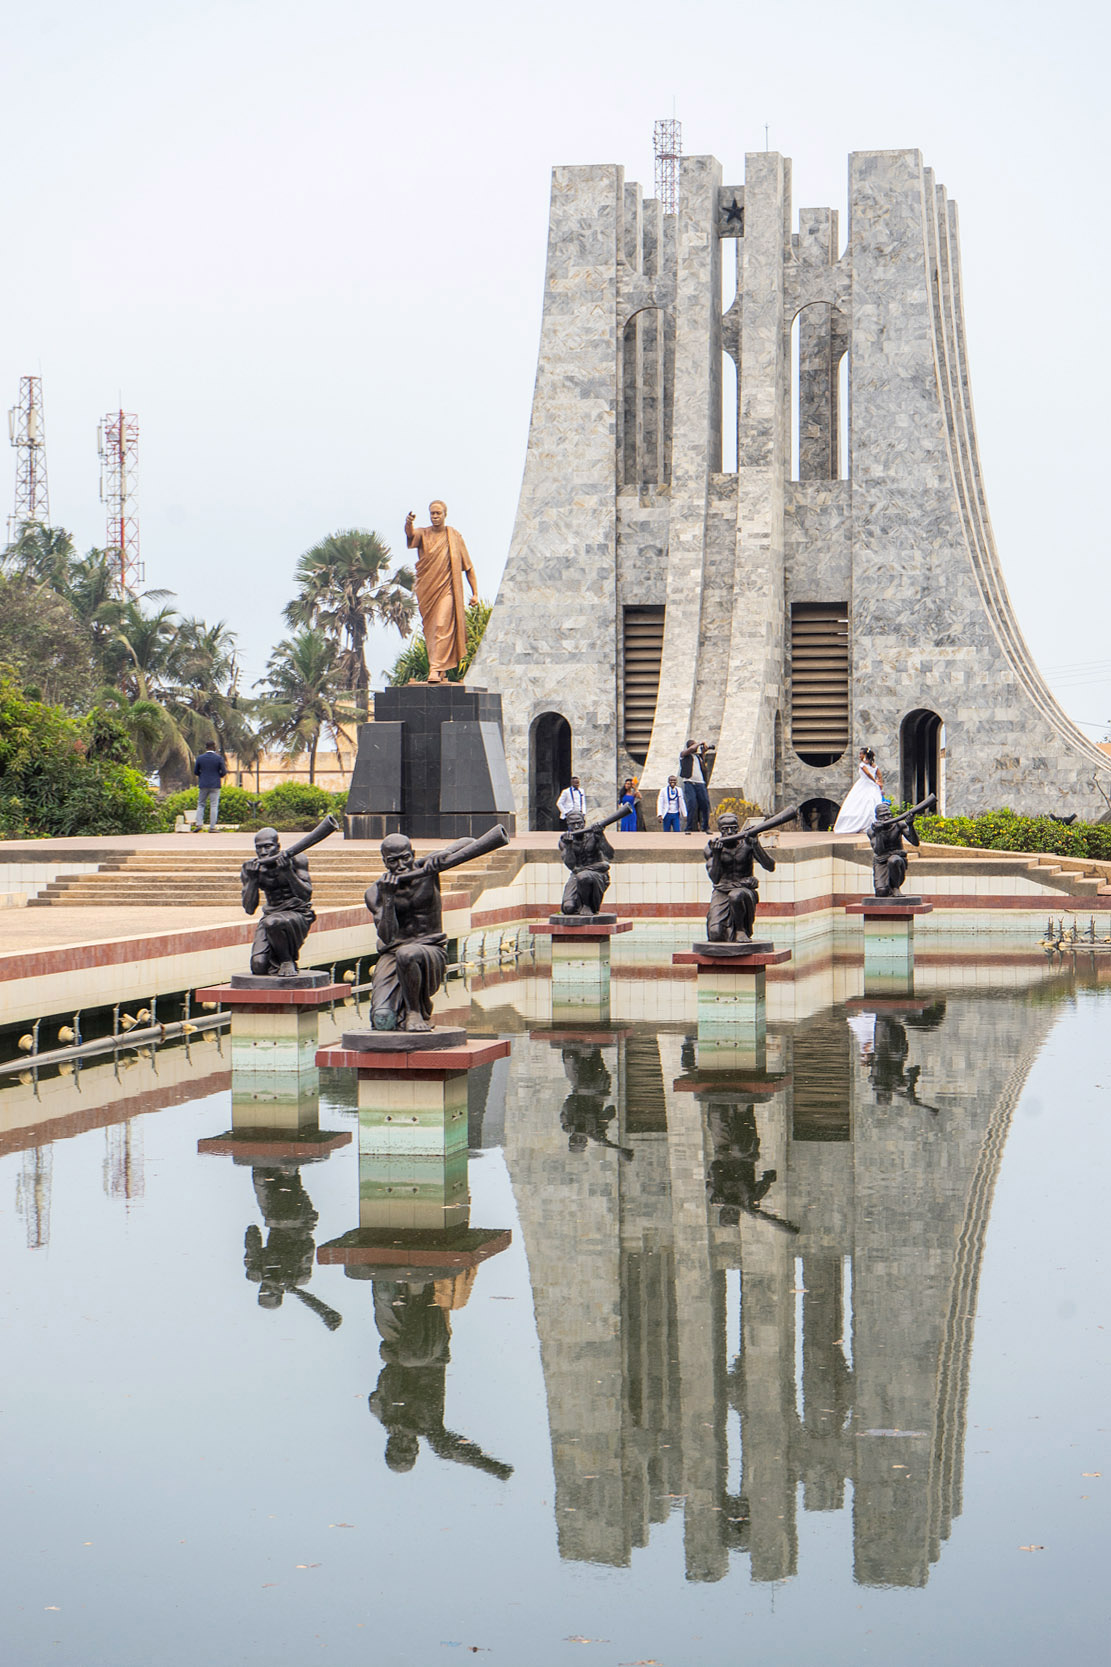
point(630, 370)
point(643, 651)
point(819, 681)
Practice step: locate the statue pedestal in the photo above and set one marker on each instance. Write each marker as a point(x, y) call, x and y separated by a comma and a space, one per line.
point(265, 1147)
point(581, 965)
point(889, 942)
point(413, 1148)
point(732, 1008)
point(719, 1081)
point(274, 1037)
point(415, 1254)
point(431, 765)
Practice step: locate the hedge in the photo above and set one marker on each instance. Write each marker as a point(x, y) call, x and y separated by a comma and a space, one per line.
point(1006, 830)
point(291, 804)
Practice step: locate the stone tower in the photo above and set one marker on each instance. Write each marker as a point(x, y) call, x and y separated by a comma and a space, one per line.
point(825, 580)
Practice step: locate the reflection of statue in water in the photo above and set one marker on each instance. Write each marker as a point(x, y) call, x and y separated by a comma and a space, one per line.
point(732, 1181)
point(442, 560)
point(730, 857)
point(585, 1115)
point(888, 1065)
point(284, 1263)
point(586, 852)
point(412, 1318)
point(408, 916)
point(282, 878)
point(886, 835)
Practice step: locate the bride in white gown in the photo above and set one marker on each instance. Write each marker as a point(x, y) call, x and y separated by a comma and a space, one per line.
point(859, 810)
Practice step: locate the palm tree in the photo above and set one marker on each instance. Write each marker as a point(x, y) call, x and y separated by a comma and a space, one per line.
point(205, 698)
point(302, 694)
point(156, 736)
point(150, 644)
point(93, 592)
point(44, 554)
point(344, 588)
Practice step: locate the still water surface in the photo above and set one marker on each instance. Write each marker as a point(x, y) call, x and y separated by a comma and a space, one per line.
point(796, 1369)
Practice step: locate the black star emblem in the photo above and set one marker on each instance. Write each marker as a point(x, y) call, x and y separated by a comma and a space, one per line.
point(734, 215)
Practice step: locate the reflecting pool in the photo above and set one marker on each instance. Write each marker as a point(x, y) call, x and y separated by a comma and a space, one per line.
point(685, 1356)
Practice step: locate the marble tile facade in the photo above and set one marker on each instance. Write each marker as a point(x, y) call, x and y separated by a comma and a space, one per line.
point(624, 502)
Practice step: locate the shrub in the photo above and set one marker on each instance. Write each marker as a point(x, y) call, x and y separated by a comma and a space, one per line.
point(235, 805)
point(740, 808)
point(1005, 830)
point(54, 778)
point(294, 800)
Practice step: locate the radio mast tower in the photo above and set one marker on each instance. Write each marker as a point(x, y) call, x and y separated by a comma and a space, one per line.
point(25, 428)
point(667, 139)
point(117, 442)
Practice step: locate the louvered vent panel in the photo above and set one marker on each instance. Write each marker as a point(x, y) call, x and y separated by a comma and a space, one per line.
point(644, 642)
point(819, 680)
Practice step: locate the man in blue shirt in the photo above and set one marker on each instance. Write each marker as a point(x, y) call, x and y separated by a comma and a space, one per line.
point(210, 770)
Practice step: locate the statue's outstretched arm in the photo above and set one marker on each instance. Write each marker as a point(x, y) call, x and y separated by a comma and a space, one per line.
point(299, 877)
point(250, 889)
point(762, 856)
point(379, 900)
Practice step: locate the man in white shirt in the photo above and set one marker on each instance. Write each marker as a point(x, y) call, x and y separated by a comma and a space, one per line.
point(671, 805)
point(572, 801)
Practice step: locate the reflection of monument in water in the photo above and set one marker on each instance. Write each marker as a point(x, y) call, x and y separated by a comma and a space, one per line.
point(883, 1139)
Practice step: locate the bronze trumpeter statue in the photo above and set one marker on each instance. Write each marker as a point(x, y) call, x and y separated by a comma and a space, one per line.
point(282, 880)
point(730, 859)
point(586, 852)
point(408, 915)
point(886, 835)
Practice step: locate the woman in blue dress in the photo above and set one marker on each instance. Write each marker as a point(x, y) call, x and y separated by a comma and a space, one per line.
point(631, 799)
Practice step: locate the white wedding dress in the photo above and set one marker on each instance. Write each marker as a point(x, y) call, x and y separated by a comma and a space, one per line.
point(859, 810)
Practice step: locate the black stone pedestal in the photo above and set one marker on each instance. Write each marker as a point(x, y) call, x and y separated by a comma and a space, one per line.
point(431, 765)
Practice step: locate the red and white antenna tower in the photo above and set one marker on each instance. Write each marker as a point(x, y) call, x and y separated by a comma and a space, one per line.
point(117, 441)
point(667, 140)
point(25, 427)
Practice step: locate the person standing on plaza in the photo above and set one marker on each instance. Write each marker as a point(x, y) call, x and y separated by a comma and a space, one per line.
point(630, 797)
point(572, 801)
point(859, 809)
point(210, 769)
point(694, 786)
point(671, 804)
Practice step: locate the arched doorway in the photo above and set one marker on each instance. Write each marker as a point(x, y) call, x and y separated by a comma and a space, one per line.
point(549, 768)
point(920, 743)
point(817, 815)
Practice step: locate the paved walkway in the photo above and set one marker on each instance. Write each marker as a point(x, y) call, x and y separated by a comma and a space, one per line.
point(102, 848)
point(25, 930)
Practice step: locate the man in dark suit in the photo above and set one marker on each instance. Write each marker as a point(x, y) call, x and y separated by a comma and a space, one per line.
point(210, 769)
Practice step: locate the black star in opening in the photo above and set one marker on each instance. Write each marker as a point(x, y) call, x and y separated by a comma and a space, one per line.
point(734, 215)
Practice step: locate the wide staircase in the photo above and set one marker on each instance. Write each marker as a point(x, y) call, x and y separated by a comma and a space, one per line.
point(1071, 876)
point(210, 879)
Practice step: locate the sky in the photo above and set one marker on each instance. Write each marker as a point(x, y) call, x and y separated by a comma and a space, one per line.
point(306, 246)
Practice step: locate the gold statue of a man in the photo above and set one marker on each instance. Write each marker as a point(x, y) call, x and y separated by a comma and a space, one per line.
point(442, 561)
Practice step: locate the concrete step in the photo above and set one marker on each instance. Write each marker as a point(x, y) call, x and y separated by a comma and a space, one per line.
point(192, 877)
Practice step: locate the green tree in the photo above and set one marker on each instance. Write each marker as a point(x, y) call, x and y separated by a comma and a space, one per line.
point(344, 588)
point(411, 664)
point(204, 698)
point(61, 776)
point(42, 637)
point(303, 696)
